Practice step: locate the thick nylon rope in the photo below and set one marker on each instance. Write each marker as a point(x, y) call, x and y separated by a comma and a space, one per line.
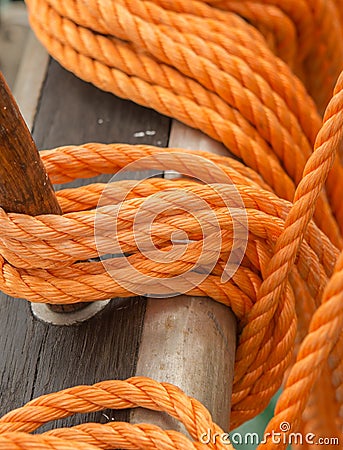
point(252, 75)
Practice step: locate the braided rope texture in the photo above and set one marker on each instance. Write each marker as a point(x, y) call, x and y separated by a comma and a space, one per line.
point(254, 75)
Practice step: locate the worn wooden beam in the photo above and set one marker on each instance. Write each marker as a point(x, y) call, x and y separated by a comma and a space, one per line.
point(190, 342)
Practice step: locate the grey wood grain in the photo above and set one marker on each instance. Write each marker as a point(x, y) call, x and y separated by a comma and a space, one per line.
point(79, 112)
point(36, 358)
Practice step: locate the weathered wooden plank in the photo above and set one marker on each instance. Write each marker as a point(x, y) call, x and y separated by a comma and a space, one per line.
point(14, 28)
point(30, 77)
point(79, 112)
point(36, 358)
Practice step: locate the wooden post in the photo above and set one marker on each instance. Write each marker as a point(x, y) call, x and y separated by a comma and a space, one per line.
point(24, 184)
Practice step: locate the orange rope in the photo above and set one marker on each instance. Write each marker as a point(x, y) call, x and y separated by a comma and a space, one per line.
point(230, 68)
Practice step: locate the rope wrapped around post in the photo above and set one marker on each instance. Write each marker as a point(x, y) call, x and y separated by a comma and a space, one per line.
point(201, 63)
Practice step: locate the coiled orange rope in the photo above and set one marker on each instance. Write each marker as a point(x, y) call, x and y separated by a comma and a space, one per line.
point(238, 81)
